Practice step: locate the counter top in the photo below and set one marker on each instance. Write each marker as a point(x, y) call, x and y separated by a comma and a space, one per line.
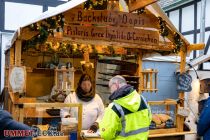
point(150, 136)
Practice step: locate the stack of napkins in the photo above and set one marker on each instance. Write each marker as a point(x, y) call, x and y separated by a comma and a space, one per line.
point(85, 134)
point(68, 121)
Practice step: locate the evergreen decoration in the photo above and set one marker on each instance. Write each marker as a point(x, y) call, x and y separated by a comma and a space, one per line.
point(111, 50)
point(178, 43)
point(63, 50)
point(163, 29)
point(141, 11)
point(94, 51)
point(95, 4)
point(45, 28)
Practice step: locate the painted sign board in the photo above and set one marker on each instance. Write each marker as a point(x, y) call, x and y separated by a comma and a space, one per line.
point(111, 33)
point(114, 18)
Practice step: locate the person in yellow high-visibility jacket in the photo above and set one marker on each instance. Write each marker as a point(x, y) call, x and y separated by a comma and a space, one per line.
point(128, 117)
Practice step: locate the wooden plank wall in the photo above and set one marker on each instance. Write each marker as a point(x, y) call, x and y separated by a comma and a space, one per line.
point(40, 83)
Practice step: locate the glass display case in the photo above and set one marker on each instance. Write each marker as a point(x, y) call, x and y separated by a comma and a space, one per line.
point(45, 120)
point(64, 78)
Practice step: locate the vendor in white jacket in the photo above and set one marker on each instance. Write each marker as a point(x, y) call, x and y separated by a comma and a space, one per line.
point(93, 108)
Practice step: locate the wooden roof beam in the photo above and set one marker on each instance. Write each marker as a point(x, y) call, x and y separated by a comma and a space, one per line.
point(137, 4)
point(163, 46)
point(27, 34)
point(157, 11)
point(196, 46)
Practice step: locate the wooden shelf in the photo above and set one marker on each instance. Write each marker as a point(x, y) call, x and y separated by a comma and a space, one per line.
point(153, 134)
point(165, 102)
point(65, 70)
point(117, 62)
point(28, 69)
point(148, 89)
point(128, 76)
point(149, 71)
point(162, 131)
point(42, 70)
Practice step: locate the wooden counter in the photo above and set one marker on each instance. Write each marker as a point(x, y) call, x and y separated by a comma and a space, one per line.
point(40, 112)
point(52, 138)
point(160, 136)
point(172, 136)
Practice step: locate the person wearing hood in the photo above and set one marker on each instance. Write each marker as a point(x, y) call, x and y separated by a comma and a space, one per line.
point(93, 108)
point(128, 116)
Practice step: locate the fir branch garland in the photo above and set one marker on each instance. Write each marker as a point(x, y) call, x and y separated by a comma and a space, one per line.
point(95, 4)
point(177, 42)
point(46, 28)
point(163, 29)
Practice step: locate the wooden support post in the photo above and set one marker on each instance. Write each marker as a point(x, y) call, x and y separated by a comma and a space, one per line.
point(151, 81)
point(86, 54)
point(55, 78)
point(143, 81)
point(180, 120)
point(12, 56)
point(21, 115)
point(139, 71)
point(72, 71)
point(94, 73)
point(167, 109)
point(87, 66)
point(147, 80)
point(6, 82)
point(64, 73)
point(80, 121)
point(18, 53)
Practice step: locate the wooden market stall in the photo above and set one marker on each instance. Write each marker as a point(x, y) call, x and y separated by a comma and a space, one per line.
point(75, 34)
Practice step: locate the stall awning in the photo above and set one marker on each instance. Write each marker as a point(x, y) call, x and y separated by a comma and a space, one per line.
point(153, 8)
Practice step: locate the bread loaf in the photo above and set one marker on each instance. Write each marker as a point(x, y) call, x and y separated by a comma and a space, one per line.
point(163, 117)
point(156, 119)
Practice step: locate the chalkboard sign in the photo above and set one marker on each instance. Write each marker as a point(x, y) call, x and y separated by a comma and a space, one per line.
point(184, 82)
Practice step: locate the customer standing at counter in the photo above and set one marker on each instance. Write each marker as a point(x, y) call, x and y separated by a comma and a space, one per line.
point(93, 108)
point(128, 117)
point(203, 126)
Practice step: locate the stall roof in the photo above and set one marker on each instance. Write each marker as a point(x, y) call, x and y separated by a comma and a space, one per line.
point(50, 13)
point(153, 8)
point(172, 59)
point(195, 62)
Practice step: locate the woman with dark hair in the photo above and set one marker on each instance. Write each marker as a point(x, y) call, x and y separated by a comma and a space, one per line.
point(93, 108)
